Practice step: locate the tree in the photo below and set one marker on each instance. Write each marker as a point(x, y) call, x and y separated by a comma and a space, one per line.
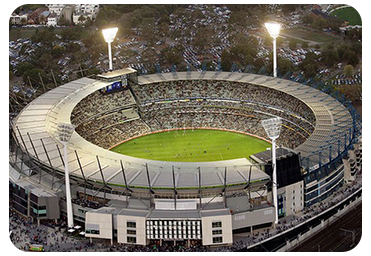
point(33, 74)
point(73, 47)
point(356, 47)
point(45, 36)
point(163, 28)
point(351, 92)
point(348, 70)
point(172, 55)
point(293, 43)
point(149, 56)
point(202, 37)
point(226, 62)
point(285, 66)
point(148, 30)
point(73, 33)
point(239, 18)
point(23, 67)
point(57, 51)
point(46, 59)
point(320, 23)
point(63, 21)
point(288, 8)
point(310, 64)
point(354, 34)
point(304, 45)
point(330, 57)
point(307, 19)
point(351, 57)
point(310, 70)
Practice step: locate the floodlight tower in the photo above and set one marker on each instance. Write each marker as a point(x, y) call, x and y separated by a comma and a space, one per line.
point(274, 30)
point(64, 134)
point(109, 34)
point(273, 128)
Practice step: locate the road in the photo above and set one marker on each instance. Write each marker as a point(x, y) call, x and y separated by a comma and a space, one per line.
point(333, 238)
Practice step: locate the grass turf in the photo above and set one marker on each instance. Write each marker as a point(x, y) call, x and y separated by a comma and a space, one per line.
point(303, 33)
point(348, 14)
point(192, 146)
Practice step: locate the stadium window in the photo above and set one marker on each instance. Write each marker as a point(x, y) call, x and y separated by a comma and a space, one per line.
point(131, 224)
point(216, 224)
point(131, 232)
point(92, 231)
point(132, 239)
point(217, 240)
point(217, 232)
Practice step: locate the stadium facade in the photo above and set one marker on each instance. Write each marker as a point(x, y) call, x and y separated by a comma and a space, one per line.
point(139, 201)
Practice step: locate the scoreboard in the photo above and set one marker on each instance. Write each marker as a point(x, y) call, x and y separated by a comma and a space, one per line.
point(118, 79)
point(119, 85)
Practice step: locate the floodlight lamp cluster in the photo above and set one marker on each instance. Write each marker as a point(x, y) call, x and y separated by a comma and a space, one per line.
point(272, 127)
point(65, 131)
point(109, 34)
point(273, 29)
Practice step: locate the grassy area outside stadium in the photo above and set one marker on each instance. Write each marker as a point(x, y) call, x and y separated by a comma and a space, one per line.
point(348, 14)
point(192, 145)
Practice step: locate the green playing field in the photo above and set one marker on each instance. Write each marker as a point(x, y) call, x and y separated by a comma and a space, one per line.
point(192, 146)
point(348, 14)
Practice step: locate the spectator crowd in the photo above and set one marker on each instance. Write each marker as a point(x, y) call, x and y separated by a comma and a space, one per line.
point(108, 119)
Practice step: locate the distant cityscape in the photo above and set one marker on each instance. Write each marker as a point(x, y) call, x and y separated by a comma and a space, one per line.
point(56, 14)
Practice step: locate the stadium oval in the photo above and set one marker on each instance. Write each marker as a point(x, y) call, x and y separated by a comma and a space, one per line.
point(36, 131)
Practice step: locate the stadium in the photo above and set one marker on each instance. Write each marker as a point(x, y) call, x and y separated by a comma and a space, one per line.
point(198, 193)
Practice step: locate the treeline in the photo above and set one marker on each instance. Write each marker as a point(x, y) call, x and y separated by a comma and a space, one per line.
point(28, 8)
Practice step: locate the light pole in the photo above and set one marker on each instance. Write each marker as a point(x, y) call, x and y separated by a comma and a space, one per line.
point(64, 134)
point(109, 34)
point(273, 128)
point(274, 30)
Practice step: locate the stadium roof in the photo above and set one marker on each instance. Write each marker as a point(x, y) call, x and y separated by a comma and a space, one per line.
point(116, 73)
point(266, 156)
point(39, 120)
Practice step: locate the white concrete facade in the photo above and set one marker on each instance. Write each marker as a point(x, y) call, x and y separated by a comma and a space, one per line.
point(99, 225)
point(293, 197)
point(217, 230)
point(252, 218)
point(129, 234)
